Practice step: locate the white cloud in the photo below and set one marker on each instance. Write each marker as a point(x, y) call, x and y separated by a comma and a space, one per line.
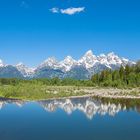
point(72, 10)
point(54, 10)
point(68, 11)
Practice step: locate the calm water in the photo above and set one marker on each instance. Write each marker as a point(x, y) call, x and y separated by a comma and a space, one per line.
point(75, 119)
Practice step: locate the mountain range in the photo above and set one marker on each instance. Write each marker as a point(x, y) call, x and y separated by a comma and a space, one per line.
point(83, 68)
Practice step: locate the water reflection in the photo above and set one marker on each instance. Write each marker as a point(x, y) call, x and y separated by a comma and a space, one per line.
point(21, 120)
point(4, 102)
point(88, 106)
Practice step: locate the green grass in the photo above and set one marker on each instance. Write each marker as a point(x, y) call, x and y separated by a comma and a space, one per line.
point(34, 91)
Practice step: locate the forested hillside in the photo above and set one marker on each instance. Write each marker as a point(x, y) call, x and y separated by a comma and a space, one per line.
point(128, 76)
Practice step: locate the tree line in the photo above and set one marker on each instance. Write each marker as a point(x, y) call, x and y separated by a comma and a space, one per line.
point(124, 76)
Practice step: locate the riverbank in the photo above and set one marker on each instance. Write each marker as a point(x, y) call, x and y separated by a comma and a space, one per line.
point(42, 92)
point(132, 93)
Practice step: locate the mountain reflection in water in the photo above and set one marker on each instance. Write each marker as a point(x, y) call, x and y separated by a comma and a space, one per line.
point(88, 106)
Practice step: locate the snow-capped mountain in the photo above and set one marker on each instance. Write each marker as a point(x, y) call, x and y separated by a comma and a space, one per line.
point(50, 63)
point(83, 68)
point(67, 63)
point(26, 72)
point(64, 65)
point(111, 59)
point(88, 60)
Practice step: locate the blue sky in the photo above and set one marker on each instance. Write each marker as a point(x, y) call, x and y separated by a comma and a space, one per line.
point(31, 31)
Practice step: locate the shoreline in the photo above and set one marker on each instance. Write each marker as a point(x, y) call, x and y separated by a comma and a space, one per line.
point(112, 93)
point(94, 95)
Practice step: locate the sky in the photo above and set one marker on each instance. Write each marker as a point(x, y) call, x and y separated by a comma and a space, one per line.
point(33, 30)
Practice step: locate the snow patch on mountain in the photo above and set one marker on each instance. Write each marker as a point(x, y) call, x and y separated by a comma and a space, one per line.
point(25, 71)
point(88, 60)
point(50, 63)
point(67, 63)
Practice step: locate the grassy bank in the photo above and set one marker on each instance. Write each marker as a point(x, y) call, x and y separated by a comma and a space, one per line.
point(35, 91)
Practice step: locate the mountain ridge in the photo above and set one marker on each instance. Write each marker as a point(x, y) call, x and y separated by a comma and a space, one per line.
point(83, 68)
